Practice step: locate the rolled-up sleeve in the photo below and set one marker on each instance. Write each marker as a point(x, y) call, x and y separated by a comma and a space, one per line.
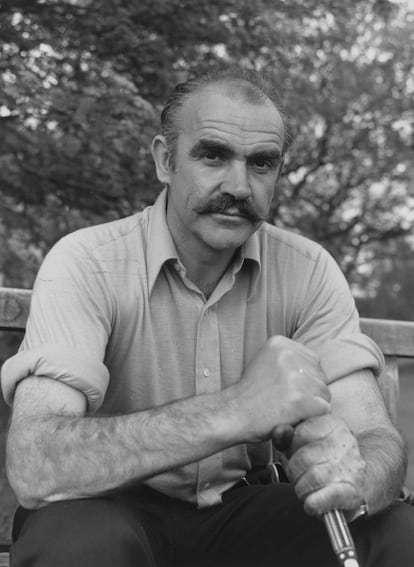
point(68, 326)
point(85, 374)
point(329, 323)
point(349, 354)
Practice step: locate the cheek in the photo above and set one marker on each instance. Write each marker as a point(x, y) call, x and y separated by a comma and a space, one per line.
point(263, 195)
point(198, 188)
point(187, 196)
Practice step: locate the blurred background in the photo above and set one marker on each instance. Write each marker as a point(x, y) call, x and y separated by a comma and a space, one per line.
point(81, 87)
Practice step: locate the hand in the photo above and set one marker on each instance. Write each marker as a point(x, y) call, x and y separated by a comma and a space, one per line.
point(326, 466)
point(283, 383)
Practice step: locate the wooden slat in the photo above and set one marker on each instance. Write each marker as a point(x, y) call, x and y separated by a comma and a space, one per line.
point(14, 308)
point(395, 338)
point(388, 383)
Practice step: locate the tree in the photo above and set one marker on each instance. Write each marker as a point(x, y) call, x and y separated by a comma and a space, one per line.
point(385, 290)
point(82, 84)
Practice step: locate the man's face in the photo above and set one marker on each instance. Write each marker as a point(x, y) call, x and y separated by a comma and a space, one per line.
point(228, 159)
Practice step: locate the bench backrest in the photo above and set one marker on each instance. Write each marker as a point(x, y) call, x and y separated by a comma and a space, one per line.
point(395, 338)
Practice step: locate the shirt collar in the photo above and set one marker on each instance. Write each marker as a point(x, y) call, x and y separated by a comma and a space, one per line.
point(250, 251)
point(161, 247)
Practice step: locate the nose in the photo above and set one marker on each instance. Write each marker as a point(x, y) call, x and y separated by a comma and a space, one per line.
point(237, 181)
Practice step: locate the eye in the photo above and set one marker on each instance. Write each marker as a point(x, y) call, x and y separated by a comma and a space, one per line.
point(263, 164)
point(211, 157)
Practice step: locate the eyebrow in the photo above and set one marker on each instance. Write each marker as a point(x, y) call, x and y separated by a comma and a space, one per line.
point(226, 151)
point(204, 145)
point(266, 154)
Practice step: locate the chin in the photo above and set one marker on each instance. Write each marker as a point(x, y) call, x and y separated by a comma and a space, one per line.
point(223, 241)
point(222, 235)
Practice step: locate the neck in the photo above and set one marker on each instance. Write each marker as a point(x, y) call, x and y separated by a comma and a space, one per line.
point(205, 270)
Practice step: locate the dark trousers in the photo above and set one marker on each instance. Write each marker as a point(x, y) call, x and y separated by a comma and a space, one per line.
point(256, 526)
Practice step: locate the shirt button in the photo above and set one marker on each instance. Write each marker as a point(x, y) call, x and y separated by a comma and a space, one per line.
point(206, 372)
point(206, 485)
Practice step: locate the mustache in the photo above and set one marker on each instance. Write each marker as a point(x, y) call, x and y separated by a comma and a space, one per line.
point(223, 202)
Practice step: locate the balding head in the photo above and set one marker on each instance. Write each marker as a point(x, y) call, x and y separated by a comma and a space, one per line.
point(251, 86)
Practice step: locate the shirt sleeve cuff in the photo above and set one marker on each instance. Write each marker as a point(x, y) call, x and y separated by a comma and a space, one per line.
point(344, 356)
point(85, 374)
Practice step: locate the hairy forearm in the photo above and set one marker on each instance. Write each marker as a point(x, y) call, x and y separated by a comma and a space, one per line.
point(58, 457)
point(384, 453)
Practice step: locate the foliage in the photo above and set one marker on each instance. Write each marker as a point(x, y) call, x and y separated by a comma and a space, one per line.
point(82, 84)
point(386, 291)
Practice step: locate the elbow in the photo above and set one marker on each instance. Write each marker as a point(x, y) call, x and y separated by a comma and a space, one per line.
point(25, 485)
point(26, 493)
point(25, 472)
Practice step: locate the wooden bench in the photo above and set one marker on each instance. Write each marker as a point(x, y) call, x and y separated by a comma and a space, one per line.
point(395, 338)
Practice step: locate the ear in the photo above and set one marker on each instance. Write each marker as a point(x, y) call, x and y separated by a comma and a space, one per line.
point(161, 156)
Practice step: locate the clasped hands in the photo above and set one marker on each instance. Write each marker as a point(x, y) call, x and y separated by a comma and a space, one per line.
point(285, 384)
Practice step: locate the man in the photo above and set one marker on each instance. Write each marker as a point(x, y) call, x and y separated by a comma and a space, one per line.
point(164, 352)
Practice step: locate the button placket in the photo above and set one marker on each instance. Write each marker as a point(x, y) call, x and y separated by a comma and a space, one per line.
point(208, 380)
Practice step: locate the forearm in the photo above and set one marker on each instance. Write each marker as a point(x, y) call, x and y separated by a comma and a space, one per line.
point(384, 454)
point(56, 453)
point(57, 457)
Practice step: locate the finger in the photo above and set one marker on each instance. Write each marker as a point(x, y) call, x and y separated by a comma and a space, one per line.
point(320, 474)
point(305, 460)
point(296, 350)
point(304, 407)
point(341, 495)
point(314, 429)
point(323, 392)
point(310, 378)
point(309, 362)
point(307, 385)
point(317, 406)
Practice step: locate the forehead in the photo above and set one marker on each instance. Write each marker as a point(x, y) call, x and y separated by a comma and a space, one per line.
point(229, 117)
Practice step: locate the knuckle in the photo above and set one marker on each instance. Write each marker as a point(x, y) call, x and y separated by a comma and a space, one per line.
point(278, 341)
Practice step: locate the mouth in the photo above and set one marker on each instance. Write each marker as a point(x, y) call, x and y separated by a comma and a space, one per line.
point(227, 208)
point(230, 217)
point(231, 212)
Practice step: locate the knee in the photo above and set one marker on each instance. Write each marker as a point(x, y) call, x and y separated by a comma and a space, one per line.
point(81, 532)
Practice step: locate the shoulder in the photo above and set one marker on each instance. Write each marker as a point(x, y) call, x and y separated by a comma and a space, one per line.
point(100, 247)
point(291, 257)
point(285, 244)
point(109, 235)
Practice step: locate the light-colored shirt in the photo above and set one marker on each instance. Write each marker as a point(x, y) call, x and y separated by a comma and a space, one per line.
point(114, 315)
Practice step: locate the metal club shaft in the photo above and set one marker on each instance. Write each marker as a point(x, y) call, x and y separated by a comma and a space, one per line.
point(341, 539)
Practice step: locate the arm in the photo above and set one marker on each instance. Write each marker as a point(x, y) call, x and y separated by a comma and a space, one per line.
point(354, 454)
point(73, 456)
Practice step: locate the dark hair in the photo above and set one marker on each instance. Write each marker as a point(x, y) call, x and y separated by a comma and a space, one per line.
point(253, 85)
